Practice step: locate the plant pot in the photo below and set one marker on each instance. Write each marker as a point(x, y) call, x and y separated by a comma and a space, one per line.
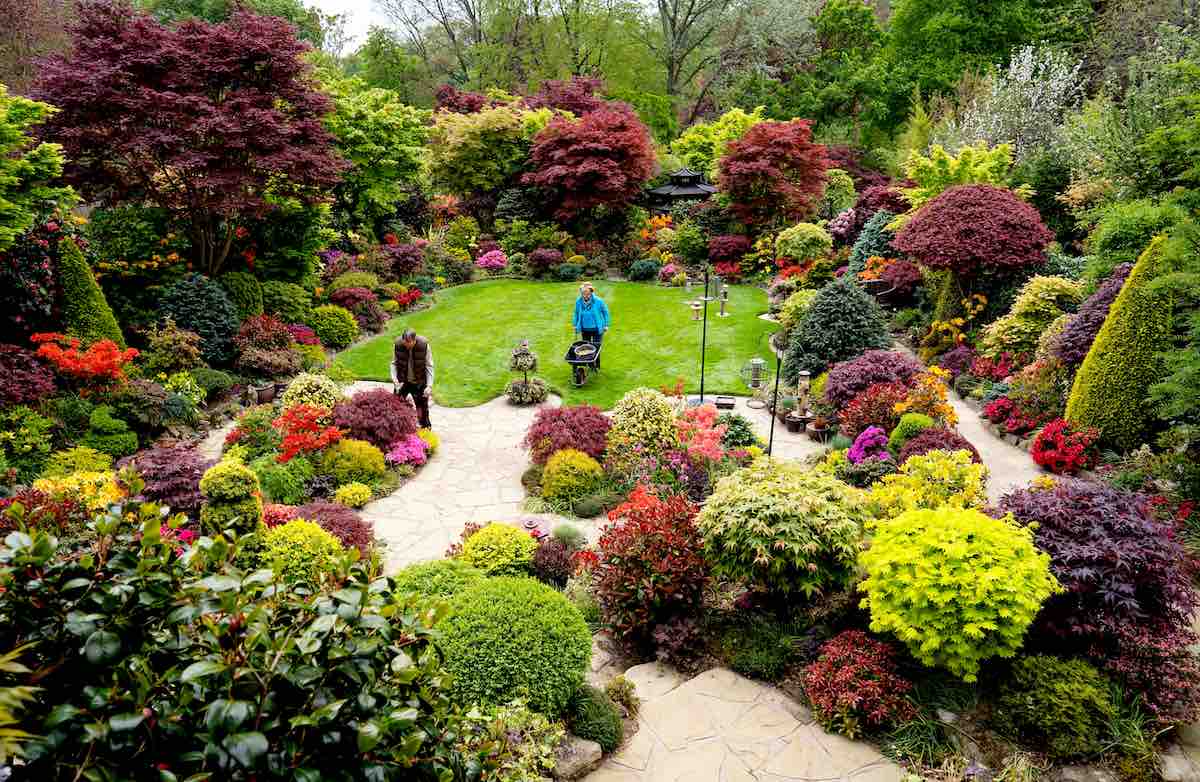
point(263, 393)
point(795, 423)
point(819, 435)
point(874, 287)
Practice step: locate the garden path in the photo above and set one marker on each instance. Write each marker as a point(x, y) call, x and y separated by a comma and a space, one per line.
point(722, 727)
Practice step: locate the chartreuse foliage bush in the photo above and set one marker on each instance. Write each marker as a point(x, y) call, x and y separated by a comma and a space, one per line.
point(642, 417)
point(500, 550)
point(85, 311)
point(284, 484)
point(334, 325)
point(1065, 706)
point(314, 390)
point(1112, 384)
point(932, 480)
point(354, 279)
point(843, 321)
point(231, 498)
point(515, 636)
point(300, 551)
point(350, 461)
point(77, 459)
point(291, 708)
point(955, 586)
point(1041, 301)
point(352, 495)
point(594, 716)
point(795, 307)
point(443, 578)
point(24, 440)
point(570, 475)
point(784, 528)
point(911, 425)
point(803, 242)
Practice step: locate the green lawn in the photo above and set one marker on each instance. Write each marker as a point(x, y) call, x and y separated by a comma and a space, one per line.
point(653, 340)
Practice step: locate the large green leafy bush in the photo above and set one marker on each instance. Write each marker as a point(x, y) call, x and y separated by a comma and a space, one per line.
point(141, 680)
point(286, 483)
point(784, 528)
point(842, 322)
point(957, 587)
point(441, 578)
point(315, 390)
point(1124, 231)
point(245, 291)
point(335, 326)
point(287, 300)
point(803, 242)
point(1113, 382)
point(500, 550)
point(202, 306)
point(516, 636)
point(1065, 706)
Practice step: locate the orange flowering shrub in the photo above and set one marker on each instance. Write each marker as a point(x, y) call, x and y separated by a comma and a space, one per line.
point(101, 363)
point(928, 395)
point(305, 429)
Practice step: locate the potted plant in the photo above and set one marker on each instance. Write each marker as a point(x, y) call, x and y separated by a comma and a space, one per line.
point(819, 429)
point(796, 422)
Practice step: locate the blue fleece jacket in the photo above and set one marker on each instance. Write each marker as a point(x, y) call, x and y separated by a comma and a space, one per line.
point(591, 316)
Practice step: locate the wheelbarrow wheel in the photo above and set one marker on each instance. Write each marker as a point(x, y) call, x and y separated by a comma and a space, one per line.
point(580, 375)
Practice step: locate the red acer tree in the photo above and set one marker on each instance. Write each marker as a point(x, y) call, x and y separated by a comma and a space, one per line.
point(601, 159)
point(200, 119)
point(578, 95)
point(774, 171)
point(449, 98)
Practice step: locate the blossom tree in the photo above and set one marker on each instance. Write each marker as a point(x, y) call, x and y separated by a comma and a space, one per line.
point(774, 171)
point(216, 123)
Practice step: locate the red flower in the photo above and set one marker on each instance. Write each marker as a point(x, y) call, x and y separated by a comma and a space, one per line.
point(305, 430)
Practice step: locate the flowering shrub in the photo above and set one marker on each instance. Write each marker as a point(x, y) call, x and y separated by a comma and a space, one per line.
point(499, 550)
point(492, 261)
point(876, 406)
point(956, 586)
point(848, 379)
point(854, 687)
point(377, 416)
point(928, 395)
point(871, 444)
point(99, 364)
point(254, 432)
point(700, 434)
point(409, 449)
point(304, 429)
point(313, 390)
point(1013, 417)
point(23, 379)
point(543, 260)
point(937, 439)
point(343, 523)
point(1063, 448)
point(667, 273)
point(651, 567)
point(783, 528)
point(929, 481)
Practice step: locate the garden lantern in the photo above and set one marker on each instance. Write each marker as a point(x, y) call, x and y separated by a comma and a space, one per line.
point(756, 376)
point(696, 310)
point(724, 301)
point(802, 385)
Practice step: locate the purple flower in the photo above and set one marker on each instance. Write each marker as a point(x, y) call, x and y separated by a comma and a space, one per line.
point(870, 444)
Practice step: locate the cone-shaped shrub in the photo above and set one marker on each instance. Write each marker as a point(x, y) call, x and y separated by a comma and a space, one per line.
point(86, 313)
point(843, 322)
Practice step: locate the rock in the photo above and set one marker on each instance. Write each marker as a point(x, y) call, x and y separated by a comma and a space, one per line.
point(947, 716)
point(653, 680)
point(576, 757)
point(1012, 439)
point(1083, 774)
point(1177, 766)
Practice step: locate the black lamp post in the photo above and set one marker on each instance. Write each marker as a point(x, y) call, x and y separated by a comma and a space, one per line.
point(774, 402)
point(704, 334)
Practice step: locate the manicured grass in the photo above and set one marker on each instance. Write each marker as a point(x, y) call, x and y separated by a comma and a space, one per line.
point(653, 340)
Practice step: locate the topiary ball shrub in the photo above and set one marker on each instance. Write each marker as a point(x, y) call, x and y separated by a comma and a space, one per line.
point(910, 425)
point(643, 417)
point(579, 427)
point(300, 551)
point(783, 528)
point(351, 529)
point(109, 434)
point(510, 637)
point(803, 242)
point(232, 498)
point(313, 390)
point(287, 300)
point(848, 379)
point(245, 291)
point(593, 716)
point(570, 475)
point(644, 270)
point(957, 587)
point(23, 379)
point(1073, 342)
point(335, 326)
point(377, 416)
point(500, 550)
point(937, 439)
point(441, 578)
point(199, 305)
point(971, 228)
point(875, 239)
point(1064, 706)
point(853, 685)
point(652, 566)
point(843, 322)
point(349, 461)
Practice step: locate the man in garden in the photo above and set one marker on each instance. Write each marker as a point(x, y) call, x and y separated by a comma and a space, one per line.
point(591, 317)
point(412, 372)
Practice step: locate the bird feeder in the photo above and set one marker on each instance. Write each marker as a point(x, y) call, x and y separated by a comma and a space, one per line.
point(696, 308)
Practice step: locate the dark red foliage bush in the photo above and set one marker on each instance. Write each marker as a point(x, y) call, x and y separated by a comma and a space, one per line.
point(343, 523)
point(875, 406)
point(849, 159)
point(1063, 448)
point(264, 332)
point(848, 379)
point(275, 514)
point(903, 277)
point(542, 260)
point(449, 98)
point(998, 368)
point(378, 416)
point(958, 360)
point(938, 439)
point(406, 259)
point(581, 427)
point(577, 96)
point(601, 159)
point(552, 562)
point(853, 685)
point(171, 474)
point(872, 200)
point(774, 170)
point(41, 511)
point(1076, 339)
point(1128, 596)
point(1014, 418)
point(304, 335)
point(652, 568)
point(363, 305)
point(974, 227)
point(728, 248)
point(23, 378)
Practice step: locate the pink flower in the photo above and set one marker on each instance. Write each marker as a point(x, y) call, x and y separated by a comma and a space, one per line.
point(494, 260)
point(409, 450)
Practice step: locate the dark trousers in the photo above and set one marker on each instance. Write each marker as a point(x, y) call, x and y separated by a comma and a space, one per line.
point(596, 338)
point(420, 401)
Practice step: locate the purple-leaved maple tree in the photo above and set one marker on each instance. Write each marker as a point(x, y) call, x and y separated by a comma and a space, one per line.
point(213, 122)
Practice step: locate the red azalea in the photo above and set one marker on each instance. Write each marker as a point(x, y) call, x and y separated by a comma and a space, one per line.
point(305, 430)
point(101, 363)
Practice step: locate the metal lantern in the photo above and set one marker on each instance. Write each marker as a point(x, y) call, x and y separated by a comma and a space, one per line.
point(802, 386)
point(756, 375)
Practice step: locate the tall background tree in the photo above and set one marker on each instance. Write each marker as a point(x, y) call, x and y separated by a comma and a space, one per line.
point(216, 123)
point(31, 30)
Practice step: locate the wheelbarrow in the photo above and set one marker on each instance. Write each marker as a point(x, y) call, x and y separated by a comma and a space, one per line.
point(583, 356)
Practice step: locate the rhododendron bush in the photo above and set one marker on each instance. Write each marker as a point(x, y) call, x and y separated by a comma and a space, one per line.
point(1062, 447)
point(410, 449)
point(100, 363)
point(700, 433)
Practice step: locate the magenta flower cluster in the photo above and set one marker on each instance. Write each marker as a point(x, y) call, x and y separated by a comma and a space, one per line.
point(409, 449)
point(870, 444)
point(492, 261)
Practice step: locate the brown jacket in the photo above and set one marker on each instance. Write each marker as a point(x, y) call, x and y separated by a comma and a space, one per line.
point(422, 362)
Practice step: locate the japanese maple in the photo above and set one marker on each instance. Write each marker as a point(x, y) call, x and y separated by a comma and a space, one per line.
point(774, 171)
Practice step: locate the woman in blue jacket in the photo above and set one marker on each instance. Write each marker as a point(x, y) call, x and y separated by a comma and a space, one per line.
point(591, 317)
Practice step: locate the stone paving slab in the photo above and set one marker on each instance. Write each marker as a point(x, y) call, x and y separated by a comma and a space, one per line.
point(722, 727)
